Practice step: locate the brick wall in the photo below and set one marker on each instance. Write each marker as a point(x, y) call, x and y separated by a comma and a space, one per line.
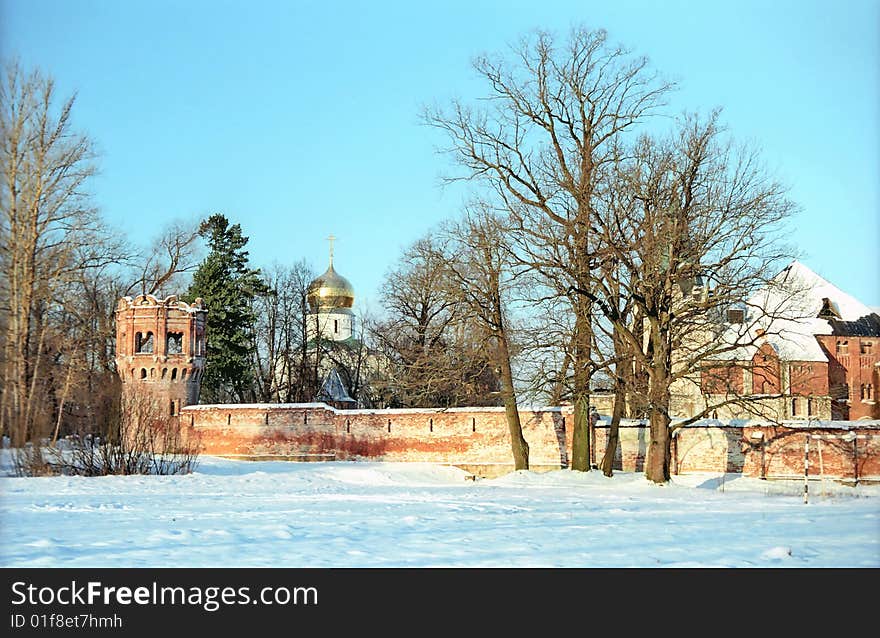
point(460, 435)
point(854, 366)
point(477, 438)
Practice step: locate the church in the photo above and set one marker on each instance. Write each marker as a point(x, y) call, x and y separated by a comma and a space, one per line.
point(330, 336)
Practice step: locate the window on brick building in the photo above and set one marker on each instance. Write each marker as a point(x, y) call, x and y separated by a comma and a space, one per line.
point(335, 325)
point(810, 407)
point(794, 406)
point(174, 343)
point(143, 343)
point(868, 393)
point(842, 347)
point(867, 347)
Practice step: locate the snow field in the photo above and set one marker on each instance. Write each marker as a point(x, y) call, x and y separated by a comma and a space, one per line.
point(346, 514)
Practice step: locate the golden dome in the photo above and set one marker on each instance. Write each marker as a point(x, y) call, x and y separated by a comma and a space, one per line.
point(330, 291)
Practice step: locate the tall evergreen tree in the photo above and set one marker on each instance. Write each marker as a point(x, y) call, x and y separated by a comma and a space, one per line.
point(227, 285)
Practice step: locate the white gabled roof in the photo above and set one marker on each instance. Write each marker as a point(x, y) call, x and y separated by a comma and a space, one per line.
point(787, 310)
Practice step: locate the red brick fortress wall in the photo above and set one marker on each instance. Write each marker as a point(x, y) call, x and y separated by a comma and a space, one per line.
point(478, 438)
point(473, 436)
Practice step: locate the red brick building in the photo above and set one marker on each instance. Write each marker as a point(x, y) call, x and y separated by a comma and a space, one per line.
point(810, 348)
point(160, 350)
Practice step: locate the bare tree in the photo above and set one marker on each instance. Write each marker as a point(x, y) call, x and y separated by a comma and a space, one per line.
point(693, 223)
point(427, 338)
point(280, 353)
point(174, 252)
point(544, 145)
point(481, 271)
point(48, 234)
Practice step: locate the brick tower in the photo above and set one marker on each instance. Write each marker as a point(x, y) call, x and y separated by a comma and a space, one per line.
point(160, 350)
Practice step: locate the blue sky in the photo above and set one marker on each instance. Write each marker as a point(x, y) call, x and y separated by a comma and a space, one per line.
point(299, 119)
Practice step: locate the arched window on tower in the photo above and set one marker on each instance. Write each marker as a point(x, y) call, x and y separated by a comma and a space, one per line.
point(174, 343)
point(143, 343)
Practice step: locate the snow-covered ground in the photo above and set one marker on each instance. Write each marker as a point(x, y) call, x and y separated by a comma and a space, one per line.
point(280, 514)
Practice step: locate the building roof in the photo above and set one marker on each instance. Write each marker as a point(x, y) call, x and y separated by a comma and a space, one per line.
point(334, 389)
point(329, 291)
point(795, 307)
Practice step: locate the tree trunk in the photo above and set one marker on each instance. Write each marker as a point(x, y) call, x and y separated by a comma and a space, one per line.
point(580, 437)
point(657, 465)
point(614, 430)
point(518, 444)
point(622, 373)
point(659, 457)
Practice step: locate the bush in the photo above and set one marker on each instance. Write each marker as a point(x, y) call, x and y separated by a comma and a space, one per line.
point(137, 440)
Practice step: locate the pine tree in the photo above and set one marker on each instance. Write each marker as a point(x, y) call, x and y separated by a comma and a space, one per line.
point(227, 285)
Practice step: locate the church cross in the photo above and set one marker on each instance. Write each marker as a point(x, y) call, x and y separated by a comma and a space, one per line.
point(331, 239)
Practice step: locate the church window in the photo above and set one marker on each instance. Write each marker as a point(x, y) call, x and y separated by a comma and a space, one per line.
point(867, 347)
point(143, 343)
point(174, 374)
point(143, 373)
point(809, 407)
point(794, 406)
point(173, 407)
point(174, 343)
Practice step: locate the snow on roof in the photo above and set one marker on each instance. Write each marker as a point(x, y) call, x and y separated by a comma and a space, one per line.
point(788, 311)
point(334, 389)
